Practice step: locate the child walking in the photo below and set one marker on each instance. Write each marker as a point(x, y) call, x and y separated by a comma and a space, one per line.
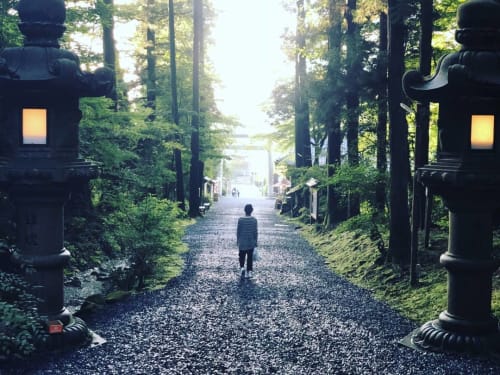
point(246, 237)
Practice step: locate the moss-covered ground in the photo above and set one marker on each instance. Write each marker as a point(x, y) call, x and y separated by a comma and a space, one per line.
point(355, 256)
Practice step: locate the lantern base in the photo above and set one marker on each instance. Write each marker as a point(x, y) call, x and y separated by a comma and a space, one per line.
point(433, 337)
point(76, 333)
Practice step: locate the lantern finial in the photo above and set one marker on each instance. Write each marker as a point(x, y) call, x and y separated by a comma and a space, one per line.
point(42, 22)
point(478, 24)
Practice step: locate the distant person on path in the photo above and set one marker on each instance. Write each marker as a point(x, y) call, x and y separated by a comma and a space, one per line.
point(246, 238)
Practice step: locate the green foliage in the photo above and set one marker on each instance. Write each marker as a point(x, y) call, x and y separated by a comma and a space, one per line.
point(358, 179)
point(131, 155)
point(447, 14)
point(85, 241)
point(108, 137)
point(360, 225)
point(10, 35)
point(439, 213)
point(105, 12)
point(280, 111)
point(443, 39)
point(21, 328)
point(366, 9)
point(400, 10)
point(145, 231)
point(81, 33)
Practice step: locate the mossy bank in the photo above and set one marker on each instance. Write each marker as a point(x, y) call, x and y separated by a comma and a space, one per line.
point(355, 256)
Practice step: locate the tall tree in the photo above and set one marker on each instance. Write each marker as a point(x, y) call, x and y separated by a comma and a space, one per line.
point(175, 108)
point(195, 173)
point(380, 188)
point(106, 10)
point(354, 70)
point(423, 110)
point(399, 239)
point(151, 59)
point(336, 213)
point(302, 122)
point(422, 132)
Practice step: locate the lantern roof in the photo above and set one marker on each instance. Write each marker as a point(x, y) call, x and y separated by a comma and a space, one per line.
point(473, 71)
point(40, 64)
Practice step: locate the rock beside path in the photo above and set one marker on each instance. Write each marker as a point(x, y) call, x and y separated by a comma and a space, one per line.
point(293, 317)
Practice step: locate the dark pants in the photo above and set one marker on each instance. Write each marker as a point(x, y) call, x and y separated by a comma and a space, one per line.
point(249, 256)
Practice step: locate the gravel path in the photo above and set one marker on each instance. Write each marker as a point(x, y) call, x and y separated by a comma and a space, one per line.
point(293, 317)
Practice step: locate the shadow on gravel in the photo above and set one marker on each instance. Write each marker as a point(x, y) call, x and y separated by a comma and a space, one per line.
point(294, 317)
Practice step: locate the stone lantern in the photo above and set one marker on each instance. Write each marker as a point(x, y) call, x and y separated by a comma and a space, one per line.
point(40, 88)
point(467, 176)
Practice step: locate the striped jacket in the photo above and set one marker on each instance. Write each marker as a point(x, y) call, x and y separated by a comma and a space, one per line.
point(246, 234)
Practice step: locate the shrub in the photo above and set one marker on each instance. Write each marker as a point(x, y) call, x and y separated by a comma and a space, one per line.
point(146, 231)
point(21, 328)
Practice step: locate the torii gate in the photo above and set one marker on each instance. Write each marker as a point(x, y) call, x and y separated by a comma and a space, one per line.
point(251, 145)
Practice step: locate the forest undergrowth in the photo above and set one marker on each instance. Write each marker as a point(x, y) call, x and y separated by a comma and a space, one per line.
point(354, 255)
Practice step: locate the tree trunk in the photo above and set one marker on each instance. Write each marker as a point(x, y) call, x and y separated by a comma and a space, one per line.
point(380, 188)
point(423, 110)
point(336, 212)
point(108, 45)
point(151, 61)
point(202, 100)
point(194, 181)
point(302, 131)
point(399, 238)
point(421, 136)
point(175, 108)
point(354, 69)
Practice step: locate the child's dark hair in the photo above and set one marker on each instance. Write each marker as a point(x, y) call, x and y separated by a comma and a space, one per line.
point(248, 209)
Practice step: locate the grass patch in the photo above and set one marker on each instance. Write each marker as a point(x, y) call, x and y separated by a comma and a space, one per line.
point(167, 267)
point(355, 256)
